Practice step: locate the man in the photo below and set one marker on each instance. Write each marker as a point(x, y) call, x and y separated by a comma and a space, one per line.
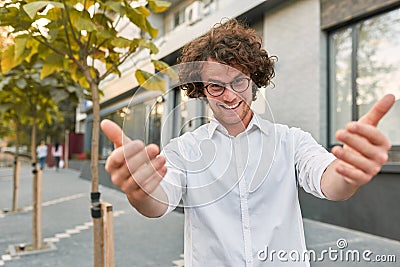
point(238, 174)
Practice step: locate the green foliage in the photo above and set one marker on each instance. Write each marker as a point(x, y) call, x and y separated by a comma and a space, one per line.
point(80, 38)
point(72, 34)
point(6, 126)
point(24, 95)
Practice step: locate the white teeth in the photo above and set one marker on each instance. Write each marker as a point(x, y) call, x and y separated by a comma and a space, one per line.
point(232, 107)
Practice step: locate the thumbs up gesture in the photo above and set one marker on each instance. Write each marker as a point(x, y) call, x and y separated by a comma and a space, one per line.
point(364, 152)
point(137, 170)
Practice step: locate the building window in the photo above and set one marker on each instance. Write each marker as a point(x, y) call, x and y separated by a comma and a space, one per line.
point(189, 12)
point(364, 65)
point(139, 121)
point(178, 18)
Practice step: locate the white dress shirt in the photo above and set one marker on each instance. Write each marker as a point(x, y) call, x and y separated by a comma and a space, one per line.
point(240, 193)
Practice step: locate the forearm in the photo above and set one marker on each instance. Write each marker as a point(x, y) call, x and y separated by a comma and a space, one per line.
point(151, 206)
point(334, 185)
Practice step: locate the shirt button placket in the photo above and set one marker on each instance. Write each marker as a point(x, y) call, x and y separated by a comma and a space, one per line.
point(243, 204)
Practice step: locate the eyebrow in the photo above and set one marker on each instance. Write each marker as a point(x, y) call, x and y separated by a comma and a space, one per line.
point(240, 75)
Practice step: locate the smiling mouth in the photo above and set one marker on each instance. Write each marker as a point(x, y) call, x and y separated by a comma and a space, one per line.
point(232, 107)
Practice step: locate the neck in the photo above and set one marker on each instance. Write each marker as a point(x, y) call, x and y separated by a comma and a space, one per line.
point(235, 129)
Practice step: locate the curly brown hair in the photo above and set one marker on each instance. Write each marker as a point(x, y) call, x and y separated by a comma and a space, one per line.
point(231, 43)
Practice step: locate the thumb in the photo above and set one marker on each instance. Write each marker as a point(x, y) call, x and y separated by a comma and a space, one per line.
point(114, 132)
point(375, 114)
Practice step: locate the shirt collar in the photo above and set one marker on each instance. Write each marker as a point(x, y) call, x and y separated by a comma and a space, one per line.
point(214, 124)
point(256, 121)
point(260, 123)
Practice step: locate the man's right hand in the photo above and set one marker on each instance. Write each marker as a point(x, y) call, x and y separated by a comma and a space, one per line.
point(136, 169)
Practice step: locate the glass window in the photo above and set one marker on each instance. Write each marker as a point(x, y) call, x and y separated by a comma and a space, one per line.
point(179, 18)
point(341, 96)
point(365, 66)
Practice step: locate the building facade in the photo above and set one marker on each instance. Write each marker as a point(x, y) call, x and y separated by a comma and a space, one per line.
point(336, 58)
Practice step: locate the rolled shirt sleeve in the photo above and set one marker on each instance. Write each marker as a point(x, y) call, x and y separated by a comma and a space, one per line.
point(311, 160)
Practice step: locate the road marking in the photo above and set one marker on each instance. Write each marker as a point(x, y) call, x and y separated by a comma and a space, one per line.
point(51, 240)
point(6, 257)
point(63, 235)
point(82, 227)
point(180, 262)
point(73, 231)
point(46, 204)
point(66, 234)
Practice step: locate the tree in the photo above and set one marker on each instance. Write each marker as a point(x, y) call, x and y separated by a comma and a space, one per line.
point(29, 100)
point(82, 37)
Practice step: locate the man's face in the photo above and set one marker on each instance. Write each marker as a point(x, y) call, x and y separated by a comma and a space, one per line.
point(232, 107)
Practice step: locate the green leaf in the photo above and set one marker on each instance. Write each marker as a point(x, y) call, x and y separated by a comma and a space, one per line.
point(143, 11)
point(152, 31)
point(8, 16)
point(20, 44)
point(54, 15)
point(121, 42)
point(147, 44)
point(84, 24)
point(159, 6)
point(32, 8)
point(53, 63)
point(104, 34)
point(116, 7)
point(150, 81)
point(136, 18)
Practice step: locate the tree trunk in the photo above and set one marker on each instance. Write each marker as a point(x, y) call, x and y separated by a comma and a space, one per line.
point(16, 169)
point(98, 236)
point(37, 193)
point(17, 165)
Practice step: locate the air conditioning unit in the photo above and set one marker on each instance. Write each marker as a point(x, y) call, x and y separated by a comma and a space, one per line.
point(194, 12)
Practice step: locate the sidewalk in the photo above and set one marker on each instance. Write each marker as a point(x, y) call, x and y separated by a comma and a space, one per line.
point(139, 241)
point(66, 221)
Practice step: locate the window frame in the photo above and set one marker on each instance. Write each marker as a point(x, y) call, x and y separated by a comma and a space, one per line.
point(353, 26)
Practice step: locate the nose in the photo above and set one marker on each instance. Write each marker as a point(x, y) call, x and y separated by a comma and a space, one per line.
point(229, 95)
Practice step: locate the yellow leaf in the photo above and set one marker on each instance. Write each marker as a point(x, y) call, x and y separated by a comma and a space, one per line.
point(150, 81)
point(165, 69)
point(7, 60)
point(159, 6)
point(47, 70)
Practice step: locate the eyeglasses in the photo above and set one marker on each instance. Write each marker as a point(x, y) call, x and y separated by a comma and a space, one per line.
point(238, 85)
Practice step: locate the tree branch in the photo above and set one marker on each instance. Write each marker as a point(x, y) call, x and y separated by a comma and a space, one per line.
point(115, 66)
point(57, 50)
point(70, 24)
point(66, 34)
